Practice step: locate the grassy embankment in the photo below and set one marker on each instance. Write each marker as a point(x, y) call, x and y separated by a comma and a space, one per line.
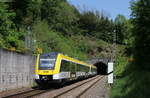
point(78, 46)
point(132, 79)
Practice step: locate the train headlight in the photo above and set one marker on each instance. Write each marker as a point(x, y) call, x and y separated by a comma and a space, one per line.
point(37, 76)
point(44, 78)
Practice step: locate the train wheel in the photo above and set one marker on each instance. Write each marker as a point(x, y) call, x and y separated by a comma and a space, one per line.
point(60, 84)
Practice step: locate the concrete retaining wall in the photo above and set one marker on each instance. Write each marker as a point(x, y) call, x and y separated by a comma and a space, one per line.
point(16, 70)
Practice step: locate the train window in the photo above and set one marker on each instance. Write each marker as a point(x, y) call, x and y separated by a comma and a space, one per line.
point(85, 68)
point(65, 66)
point(46, 64)
point(78, 68)
point(95, 69)
point(68, 66)
point(81, 68)
point(91, 69)
point(73, 67)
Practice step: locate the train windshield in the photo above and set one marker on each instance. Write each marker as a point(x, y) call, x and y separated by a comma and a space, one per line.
point(47, 64)
point(47, 61)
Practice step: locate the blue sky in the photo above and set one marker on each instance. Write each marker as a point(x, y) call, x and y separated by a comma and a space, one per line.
point(110, 7)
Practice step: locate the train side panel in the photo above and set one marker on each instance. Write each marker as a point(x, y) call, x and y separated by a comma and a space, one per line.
point(65, 68)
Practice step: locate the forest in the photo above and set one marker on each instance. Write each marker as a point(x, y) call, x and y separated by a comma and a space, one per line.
point(42, 26)
point(27, 25)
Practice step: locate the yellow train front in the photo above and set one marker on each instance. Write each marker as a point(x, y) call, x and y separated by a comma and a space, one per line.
point(59, 68)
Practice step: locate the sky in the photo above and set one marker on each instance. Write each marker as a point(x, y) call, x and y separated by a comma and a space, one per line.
point(110, 7)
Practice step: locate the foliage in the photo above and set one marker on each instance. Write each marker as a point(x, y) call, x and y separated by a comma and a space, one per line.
point(123, 30)
point(141, 21)
point(60, 15)
point(54, 41)
point(51, 24)
point(5, 19)
point(120, 65)
point(129, 86)
point(9, 36)
point(116, 91)
point(136, 76)
point(97, 25)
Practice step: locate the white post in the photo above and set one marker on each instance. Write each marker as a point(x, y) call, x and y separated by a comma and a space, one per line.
point(110, 72)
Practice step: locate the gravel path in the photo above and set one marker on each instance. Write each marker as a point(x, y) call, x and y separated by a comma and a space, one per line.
point(99, 90)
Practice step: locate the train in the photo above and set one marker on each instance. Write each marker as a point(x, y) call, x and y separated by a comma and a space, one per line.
point(58, 68)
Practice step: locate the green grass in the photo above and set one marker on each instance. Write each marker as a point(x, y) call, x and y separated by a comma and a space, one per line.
point(134, 85)
point(120, 65)
point(117, 91)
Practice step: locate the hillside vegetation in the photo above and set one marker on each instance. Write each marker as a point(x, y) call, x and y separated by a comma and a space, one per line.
point(135, 79)
point(30, 26)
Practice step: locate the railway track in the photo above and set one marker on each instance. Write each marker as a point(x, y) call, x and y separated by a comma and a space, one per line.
point(75, 90)
point(27, 94)
point(78, 96)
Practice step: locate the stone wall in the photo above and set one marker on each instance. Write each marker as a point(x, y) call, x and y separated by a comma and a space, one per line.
point(16, 70)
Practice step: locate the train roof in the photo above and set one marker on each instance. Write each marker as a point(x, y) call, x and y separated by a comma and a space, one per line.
point(54, 54)
point(77, 61)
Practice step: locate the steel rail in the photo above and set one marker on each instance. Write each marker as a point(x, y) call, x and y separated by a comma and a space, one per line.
point(78, 96)
point(57, 96)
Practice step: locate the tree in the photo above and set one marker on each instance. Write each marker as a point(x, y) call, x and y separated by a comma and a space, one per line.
point(6, 24)
point(105, 29)
point(97, 25)
point(61, 16)
point(88, 22)
point(140, 66)
point(122, 26)
point(27, 11)
point(141, 21)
